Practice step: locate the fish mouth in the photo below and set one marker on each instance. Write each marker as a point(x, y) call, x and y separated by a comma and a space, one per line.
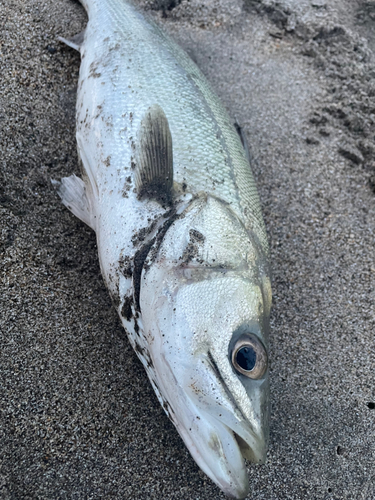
point(256, 454)
point(219, 450)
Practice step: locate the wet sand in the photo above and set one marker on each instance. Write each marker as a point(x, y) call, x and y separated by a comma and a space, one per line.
point(78, 417)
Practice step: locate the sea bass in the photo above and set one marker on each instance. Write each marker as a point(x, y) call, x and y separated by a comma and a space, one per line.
point(167, 187)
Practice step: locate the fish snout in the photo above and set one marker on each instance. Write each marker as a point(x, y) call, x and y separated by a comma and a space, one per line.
point(221, 438)
point(216, 451)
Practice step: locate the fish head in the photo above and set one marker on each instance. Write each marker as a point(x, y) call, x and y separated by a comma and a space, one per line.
point(205, 300)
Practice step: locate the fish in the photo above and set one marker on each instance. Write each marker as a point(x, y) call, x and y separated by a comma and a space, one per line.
point(167, 187)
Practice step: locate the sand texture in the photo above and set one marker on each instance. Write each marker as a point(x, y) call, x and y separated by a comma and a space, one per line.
point(78, 417)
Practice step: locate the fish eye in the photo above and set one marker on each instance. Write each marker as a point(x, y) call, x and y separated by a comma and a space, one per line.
point(249, 357)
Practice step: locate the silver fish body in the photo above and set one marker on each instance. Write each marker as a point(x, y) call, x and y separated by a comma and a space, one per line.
point(188, 271)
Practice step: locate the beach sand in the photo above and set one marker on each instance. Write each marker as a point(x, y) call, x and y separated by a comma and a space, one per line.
point(78, 417)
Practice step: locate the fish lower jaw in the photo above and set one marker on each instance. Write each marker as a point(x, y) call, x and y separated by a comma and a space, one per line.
point(222, 460)
point(255, 456)
point(234, 478)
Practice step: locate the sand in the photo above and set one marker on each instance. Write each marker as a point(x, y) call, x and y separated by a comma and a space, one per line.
point(78, 417)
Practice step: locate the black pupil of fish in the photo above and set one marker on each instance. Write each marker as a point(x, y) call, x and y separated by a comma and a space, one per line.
point(246, 358)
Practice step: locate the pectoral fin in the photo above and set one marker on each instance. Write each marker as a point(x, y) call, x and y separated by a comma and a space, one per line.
point(154, 157)
point(72, 191)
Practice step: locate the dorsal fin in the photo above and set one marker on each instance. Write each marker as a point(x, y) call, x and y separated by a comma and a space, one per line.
point(154, 157)
point(245, 144)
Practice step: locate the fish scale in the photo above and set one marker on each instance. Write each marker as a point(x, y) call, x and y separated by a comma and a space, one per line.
point(182, 248)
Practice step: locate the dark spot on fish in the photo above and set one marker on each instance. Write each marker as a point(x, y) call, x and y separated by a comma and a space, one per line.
point(99, 108)
point(140, 236)
point(196, 235)
point(106, 39)
point(132, 163)
point(136, 327)
point(139, 349)
point(115, 298)
point(184, 186)
point(168, 409)
point(125, 266)
point(131, 116)
point(109, 122)
point(107, 161)
point(115, 47)
point(156, 190)
point(127, 187)
point(215, 445)
point(191, 251)
point(93, 71)
point(123, 130)
point(126, 310)
point(143, 232)
point(156, 385)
